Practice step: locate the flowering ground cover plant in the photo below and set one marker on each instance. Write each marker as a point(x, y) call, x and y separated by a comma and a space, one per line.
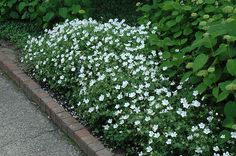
point(116, 85)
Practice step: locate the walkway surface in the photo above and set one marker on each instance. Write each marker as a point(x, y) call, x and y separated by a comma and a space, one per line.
point(24, 130)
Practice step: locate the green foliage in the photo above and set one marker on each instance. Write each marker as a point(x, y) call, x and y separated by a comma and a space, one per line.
point(121, 9)
point(18, 32)
point(200, 39)
point(114, 83)
point(45, 12)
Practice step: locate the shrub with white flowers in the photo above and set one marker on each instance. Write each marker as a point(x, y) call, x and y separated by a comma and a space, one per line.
point(115, 84)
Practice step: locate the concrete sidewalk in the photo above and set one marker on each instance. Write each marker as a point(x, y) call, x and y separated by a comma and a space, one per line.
point(25, 131)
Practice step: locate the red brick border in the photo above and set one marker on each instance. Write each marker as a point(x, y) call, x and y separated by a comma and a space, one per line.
point(69, 125)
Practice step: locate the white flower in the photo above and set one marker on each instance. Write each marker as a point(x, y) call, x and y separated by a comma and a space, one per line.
point(165, 102)
point(210, 118)
point(216, 148)
point(206, 131)
point(106, 127)
point(101, 97)
point(151, 98)
point(201, 125)
point(86, 101)
point(117, 106)
point(176, 50)
point(173, 134)
point(62, 77)
point(222, 136)
point(195, 93)
point(115, 126)
point(168, 142)
point(91, 110)
point(226, 154)
point(122, 122)
point(120, 96)
point(149, 149)
point(198, 150)
point(137, 122)
point(73, 69)
point(156, 135)
point(117, 87)
point(196, 103)
point(190, 137)
point(151, 133)
point(194, 128)
point(147, 118)
point(131, 95)
point(155, 127)
point(181, 112)
point(233, 135)
point(179, 87)
point(125, 83)
point(109, 121)
point(140, 154)
point(126, 104)
point(164, 68)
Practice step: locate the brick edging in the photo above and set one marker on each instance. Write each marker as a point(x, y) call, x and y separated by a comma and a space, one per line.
point(68, 124)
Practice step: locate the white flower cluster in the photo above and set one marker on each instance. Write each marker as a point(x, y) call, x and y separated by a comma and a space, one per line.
point(115, 83)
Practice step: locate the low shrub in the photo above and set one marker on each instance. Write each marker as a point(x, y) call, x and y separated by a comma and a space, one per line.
point(45, 13)
point(103, 10)
point(198, 42)
point(115, 84)
point(18, 32)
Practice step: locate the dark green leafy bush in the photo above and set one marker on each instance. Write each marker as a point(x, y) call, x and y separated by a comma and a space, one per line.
point(198, 42)
point(44, 12)
point(18, 32)
point(121, 9)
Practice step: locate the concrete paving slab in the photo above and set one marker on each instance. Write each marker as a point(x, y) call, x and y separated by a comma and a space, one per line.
point(25, 131)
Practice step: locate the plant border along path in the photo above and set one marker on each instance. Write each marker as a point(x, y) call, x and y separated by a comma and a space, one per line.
point(68, 124)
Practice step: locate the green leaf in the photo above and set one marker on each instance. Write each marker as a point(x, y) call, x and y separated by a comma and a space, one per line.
point(75, 9)
point(210, 79)
point(186, 76)
point(21, 6)
point(209, 1)
point(222, 96)
point(199, 62)
point(14, 15)
point(230, 27)
point(33, 3)
point(187, 31)
point(201, 87)
point(187, 8)
point(229, 123)
point(215, 92)
point(230, 109)
point(179, 18)
point(231, 66)
point(170, 5)
point(63, 12)
point(10, 3)
point(48, 16)
point(69, 2)
point(209, 8)
point(145, 8)
point(171, 23)
point(166, 55)
point(177, 34)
